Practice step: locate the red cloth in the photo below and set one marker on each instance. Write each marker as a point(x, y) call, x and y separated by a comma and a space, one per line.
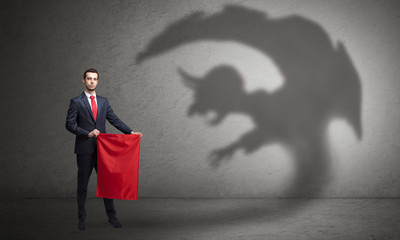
point(118, 166)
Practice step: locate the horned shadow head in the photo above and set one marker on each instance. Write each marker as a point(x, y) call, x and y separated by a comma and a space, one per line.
point(219, 91)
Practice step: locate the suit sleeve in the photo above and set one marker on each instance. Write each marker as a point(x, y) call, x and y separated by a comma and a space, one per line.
point(115, 121)
point(71, 124)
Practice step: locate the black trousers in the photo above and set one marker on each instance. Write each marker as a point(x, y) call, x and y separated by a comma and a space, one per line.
point(86, 163)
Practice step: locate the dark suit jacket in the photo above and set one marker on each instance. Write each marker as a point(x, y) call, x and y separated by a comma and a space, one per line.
point(80, 122)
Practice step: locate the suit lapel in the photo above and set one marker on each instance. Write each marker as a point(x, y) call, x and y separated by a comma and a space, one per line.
point(86, 102)
point(99, 104)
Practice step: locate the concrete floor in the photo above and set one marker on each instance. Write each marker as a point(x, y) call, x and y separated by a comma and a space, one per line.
point(177, 218)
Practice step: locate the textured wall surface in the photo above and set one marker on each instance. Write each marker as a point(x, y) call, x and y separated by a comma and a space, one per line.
point(234, 98)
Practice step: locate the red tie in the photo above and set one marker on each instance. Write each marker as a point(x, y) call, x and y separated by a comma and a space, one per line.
point(94, 108)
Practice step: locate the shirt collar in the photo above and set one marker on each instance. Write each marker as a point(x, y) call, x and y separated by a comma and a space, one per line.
point(88, 95)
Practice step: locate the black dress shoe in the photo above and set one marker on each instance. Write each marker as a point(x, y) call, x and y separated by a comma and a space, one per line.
point(114, 222)
point(82, 225)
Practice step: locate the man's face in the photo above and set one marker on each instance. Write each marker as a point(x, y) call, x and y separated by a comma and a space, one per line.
point(90, 81)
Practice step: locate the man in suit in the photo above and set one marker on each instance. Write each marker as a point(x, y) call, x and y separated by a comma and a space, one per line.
point(86, 118)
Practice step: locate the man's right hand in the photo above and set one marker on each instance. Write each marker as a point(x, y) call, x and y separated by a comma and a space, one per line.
point(94, 133)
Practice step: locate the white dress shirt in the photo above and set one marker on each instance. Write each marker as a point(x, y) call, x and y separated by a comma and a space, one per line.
point(90, 100)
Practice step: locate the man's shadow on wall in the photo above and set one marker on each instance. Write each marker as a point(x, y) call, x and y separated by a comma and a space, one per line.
point(320, 84)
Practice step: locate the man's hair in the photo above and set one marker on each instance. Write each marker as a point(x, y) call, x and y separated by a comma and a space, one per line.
point(92, 70)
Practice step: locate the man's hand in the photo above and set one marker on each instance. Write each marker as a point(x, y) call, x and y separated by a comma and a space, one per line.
point(137, 133)
point(94, 133)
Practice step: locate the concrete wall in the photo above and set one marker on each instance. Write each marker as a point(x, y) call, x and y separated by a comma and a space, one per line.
point(235, 98)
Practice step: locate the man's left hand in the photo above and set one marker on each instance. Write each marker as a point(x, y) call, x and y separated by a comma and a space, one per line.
point(137, 133)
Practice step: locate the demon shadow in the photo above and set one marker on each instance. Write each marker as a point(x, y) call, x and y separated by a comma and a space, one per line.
point(320, 84)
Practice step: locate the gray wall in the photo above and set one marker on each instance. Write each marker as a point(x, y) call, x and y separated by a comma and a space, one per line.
point(251, 99)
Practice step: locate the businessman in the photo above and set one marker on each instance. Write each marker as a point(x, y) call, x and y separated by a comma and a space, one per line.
point(86, 118)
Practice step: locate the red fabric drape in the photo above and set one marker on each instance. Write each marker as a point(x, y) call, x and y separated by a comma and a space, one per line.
point(118, 166)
